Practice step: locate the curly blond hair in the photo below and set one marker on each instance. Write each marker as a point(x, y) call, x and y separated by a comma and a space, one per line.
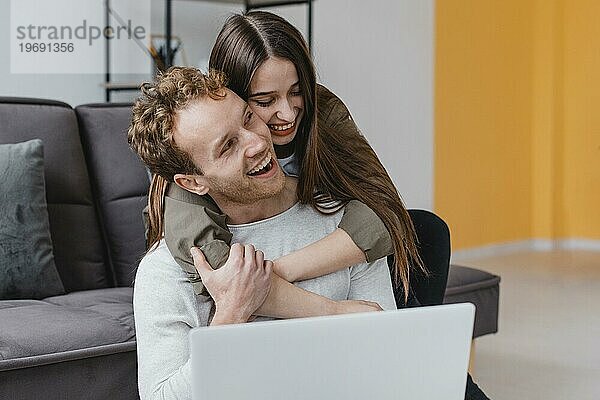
point(150, 132)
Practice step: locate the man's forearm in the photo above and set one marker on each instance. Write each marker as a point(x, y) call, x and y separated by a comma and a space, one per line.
point(288, 301)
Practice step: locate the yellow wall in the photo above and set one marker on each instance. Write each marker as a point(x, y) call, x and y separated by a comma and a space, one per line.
point(517, 133)
point(546, 192)
point(483, 120)
point(581, 134)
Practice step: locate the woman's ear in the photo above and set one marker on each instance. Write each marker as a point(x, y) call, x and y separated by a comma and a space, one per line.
point(191, 183)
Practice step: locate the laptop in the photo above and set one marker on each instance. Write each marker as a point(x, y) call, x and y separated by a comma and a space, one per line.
point(416, 353)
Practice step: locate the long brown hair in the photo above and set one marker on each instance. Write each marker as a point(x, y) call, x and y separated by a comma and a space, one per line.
point(335, 164)
point(246, 41)
point(151, 129)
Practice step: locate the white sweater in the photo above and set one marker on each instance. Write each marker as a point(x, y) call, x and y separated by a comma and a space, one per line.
point(166, 308)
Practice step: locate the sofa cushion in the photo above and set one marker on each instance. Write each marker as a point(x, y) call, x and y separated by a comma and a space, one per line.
point(119, 183)
point(79, 252)
point(27, 269)
point(480, 288)
point(99, 373)
point(75, 321)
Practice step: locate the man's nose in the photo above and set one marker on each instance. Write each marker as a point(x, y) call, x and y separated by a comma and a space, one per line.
point(255, 144)
point(286, 111)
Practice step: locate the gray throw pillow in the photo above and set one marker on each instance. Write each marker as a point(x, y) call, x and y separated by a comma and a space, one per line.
point(27, 269)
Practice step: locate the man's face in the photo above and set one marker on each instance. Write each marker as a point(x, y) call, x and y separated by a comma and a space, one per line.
point(233, 149)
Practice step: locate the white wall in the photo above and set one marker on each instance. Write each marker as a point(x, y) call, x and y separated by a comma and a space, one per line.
point(377, 56)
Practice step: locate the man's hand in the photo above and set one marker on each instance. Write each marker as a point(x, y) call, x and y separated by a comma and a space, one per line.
point(240, 286)
point(356, 306)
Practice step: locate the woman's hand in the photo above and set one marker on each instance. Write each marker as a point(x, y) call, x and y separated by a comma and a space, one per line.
point(356, 306)
point(240, 286)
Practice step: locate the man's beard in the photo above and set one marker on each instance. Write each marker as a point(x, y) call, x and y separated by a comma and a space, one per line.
point(246, 191)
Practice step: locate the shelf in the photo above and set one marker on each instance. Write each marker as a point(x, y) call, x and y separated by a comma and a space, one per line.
point(120, 86)
point(248, 4)
point(257, 3)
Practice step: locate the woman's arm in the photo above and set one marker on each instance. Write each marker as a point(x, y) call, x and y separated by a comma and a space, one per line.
point(361, 235)
point(332, 253)
point(284, 300)
point(192, 220)
point(336, 251)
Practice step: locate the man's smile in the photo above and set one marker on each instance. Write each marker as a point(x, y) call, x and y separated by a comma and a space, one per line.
point(263, 167)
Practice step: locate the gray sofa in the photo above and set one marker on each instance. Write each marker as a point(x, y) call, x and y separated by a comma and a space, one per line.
point(82, 344)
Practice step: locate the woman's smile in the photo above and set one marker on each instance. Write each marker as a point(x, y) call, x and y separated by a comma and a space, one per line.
point(282, 129)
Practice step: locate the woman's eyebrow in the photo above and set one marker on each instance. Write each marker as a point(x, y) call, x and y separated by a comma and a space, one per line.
point(270, 92)
point(261, 94)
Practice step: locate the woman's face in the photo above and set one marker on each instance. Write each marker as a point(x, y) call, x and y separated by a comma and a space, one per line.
point(276, 97)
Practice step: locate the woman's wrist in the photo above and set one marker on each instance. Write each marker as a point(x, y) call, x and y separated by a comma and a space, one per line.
point(282, 270)
point(355, 306)
point(225, 316)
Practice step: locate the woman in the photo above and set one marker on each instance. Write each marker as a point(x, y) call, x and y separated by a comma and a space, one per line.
point(268, 64)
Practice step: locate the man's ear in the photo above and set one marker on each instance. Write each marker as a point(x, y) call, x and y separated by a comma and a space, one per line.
point(191, 183)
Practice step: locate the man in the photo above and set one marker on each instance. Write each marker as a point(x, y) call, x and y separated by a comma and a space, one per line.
point(191, 130)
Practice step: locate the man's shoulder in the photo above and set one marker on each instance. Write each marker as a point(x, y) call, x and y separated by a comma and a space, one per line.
point(160, 283)
point(163, 297)
point(158, 264)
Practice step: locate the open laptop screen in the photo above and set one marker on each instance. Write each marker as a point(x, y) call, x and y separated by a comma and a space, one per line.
point(417, 353)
